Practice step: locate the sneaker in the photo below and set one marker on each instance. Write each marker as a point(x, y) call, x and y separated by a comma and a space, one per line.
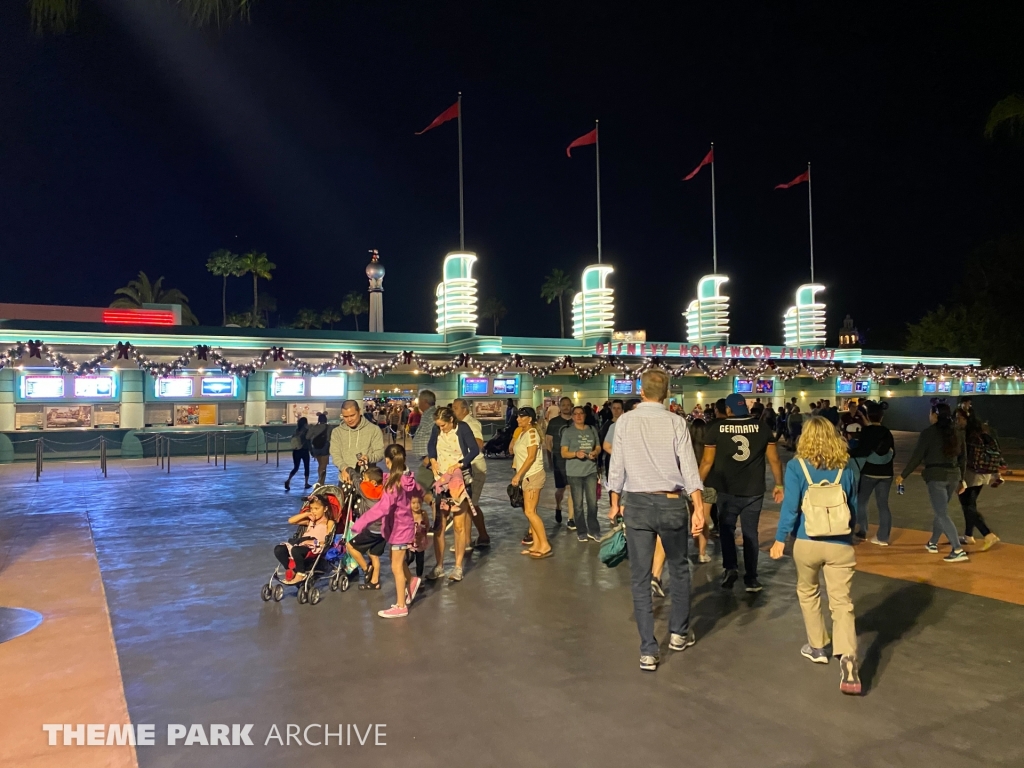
point(412, 589)
point(861, 535)
point(649, 663)
point(527, 539)
point(656, 588)
point(956, 557)
point(681, 642)
point(455, 575)
point(879, 542)
point(817, 655)
point(571, 525)
point(593, 537)
point(729, 578)
point(967, 540)
point(394, 612)
point(753, 585)
point(933, 548)
point(436, 574)
point(705, 558)
point(582, 539)
point(558, 515)
point(287, 485)
point(989, 541)
point(849, 679)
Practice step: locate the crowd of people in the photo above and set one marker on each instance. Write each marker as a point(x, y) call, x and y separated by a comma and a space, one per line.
point(671, 477)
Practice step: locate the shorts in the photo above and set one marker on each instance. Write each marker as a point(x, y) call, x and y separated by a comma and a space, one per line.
point(399, 547)
point(369, 543)
point(560, 479)
point(477, 487)
point(534, 482)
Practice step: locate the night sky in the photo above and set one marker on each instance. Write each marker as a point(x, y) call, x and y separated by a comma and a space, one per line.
point(135, 142)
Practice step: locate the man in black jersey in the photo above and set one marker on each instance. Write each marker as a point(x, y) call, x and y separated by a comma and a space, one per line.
point(736, 449)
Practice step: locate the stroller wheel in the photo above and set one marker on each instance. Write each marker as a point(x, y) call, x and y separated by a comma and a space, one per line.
point(343, 583)
point(265, 592)
point(334, 584)
point(278, 593)
point(303, 595)
point(314, 596)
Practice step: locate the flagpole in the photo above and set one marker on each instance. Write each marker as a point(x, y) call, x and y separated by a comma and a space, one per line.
point(810, 218)
point(714, 223)
point(597, 154)
point(462, 212)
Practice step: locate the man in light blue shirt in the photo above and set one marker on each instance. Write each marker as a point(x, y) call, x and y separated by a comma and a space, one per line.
point(653, 461)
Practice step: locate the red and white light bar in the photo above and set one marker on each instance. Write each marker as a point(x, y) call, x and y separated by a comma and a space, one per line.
point(161, 317)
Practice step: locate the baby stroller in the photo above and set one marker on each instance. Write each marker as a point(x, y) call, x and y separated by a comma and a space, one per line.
point(330, 563)
point(498, 445)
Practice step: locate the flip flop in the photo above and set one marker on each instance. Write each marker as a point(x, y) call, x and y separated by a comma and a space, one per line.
point(526, 552)
point(549, 553)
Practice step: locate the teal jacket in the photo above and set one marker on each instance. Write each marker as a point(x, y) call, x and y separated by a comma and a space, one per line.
point(791, 519)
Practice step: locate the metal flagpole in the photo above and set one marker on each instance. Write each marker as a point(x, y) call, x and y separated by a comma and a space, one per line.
point(714, 223)
point(597, 154)
point(810, 218)
point(462, 214)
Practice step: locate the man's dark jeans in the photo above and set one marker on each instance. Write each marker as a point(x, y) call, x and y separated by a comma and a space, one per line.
point(748, 510)
point(649, 516)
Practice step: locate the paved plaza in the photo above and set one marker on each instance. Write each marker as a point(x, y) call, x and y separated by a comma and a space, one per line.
point(149, 587)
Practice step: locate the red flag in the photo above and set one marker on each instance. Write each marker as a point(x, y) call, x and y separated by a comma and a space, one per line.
point(708, 158)
point(582, 141)
point(449, 114)
point(805, 176)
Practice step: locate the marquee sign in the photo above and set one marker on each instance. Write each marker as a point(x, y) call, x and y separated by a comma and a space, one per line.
point(711, 351)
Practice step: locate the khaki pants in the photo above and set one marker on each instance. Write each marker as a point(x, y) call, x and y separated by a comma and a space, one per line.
point(836, 562)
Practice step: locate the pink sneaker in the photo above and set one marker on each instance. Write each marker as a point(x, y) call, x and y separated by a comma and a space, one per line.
point(412, 589)
point(394, 612)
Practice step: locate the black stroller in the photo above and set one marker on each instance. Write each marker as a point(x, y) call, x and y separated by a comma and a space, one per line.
point(498, 445)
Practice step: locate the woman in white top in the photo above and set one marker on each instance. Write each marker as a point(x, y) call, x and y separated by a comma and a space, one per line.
point(529, 475)
point(451, 450)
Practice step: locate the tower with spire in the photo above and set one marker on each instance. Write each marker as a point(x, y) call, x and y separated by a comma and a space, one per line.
point(375, 274)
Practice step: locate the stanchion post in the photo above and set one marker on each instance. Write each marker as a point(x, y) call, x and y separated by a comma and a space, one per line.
point(207, 447)
point(167, 449)
point(225, 465)
point(256, 434)
point(39, 458)
point(277, 439)
point(103, 456)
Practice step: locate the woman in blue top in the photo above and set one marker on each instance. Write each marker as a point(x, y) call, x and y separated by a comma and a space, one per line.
point(824, 456)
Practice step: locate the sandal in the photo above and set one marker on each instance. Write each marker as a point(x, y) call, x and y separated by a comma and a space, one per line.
point(538, 556)
point(370, 585)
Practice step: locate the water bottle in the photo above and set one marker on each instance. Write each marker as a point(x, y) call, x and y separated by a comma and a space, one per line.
point(900, 489)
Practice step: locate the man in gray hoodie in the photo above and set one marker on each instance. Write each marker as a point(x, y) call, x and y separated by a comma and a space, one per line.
point(355, 441)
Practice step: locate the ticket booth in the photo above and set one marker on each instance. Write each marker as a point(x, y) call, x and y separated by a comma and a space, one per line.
point(45, 399)
point(292, 395)
point(195, 399)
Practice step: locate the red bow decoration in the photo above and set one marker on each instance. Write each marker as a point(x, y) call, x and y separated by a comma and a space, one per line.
point(202, 351)
point(277, 352)
point(35, 349)
point(123, 348)
point(407, 358)
point(346, 358)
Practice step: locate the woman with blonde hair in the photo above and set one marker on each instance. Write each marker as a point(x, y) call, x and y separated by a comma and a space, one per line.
point(528, 463)
point(822, 460)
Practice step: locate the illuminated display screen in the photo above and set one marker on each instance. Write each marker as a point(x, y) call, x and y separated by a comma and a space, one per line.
point(744, 385)
point(217, 386)
point(327, 386)
point(765, 386)
point(945, 386)
point(174, 387)
point(94, 386)
point(862, 387)
point(844, 387)
point(42, 387)
point(982, 387)
point(966, 386)
point(471, 386)
point(929, 386)
point(621, 386)
point(509, 386)
point(289, 387)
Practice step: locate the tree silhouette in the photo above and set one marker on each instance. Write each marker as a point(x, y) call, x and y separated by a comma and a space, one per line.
point(355, 304)
point(58, 15)
point(330, 317)
point(495, 309)
point(259, 266)
point(142, 291)
point(557, 285)
point(223, 263)
point(307, 318)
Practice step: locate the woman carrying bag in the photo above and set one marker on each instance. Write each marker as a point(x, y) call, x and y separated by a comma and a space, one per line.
point(529, 475)
point(819, 510)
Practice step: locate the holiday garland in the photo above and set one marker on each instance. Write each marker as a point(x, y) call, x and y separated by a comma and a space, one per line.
point(349, 362)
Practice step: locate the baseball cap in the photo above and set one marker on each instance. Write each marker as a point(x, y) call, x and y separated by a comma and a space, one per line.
point(527, 411)
point(737, 404)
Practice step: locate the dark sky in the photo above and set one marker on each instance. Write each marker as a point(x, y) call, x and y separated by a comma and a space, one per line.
point(134, 142)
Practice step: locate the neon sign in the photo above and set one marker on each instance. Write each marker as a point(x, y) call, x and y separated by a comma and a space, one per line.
point(456, 294)
point(803, 324)
point(707, 317)
point(593, 308)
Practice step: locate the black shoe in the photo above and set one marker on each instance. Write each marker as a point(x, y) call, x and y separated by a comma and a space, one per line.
point(753, 585)
point(729, 578)
point(571, 525)
point(657, 590)
point(861, 535)
point(527, 539)
point(558, 515)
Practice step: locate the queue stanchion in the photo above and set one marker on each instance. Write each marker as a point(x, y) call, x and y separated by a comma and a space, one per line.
point(216, 455)
point(207, 447)
point(277, 439)
point(266, 449)
point(256, 434)
point(225, 450)
point(167, 448)
point(103, 456)
point(156, 448)
point(39, 458)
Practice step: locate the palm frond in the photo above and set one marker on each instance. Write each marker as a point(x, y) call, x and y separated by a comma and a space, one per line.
point(1008, 114)
point(52, 15)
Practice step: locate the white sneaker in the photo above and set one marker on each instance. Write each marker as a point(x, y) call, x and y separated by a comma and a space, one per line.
point(436, 574)
point(649, 663)
point(705, 558)
point(681, 642)
point(879, 542)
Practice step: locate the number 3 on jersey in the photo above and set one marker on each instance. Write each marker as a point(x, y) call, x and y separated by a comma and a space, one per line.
point(742, 448)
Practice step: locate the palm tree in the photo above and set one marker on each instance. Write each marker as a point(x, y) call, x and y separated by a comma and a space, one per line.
point(495, 309)
point(355, 304)
point(307, 318)
point(258, 265)
point(223, 263)
point(142, 291)
point(58, 15)
point(557, 285)
point(1008, 113)
point(266, 305)
point(330, 317)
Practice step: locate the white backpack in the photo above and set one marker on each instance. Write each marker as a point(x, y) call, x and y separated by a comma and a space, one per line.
point(825, 508)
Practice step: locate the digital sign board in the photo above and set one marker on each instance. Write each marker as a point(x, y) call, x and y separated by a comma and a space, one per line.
point(217, 386)
point(42, 387)
point(289, 386)
point(94, 386)
point(327, 386)
point(175, 387)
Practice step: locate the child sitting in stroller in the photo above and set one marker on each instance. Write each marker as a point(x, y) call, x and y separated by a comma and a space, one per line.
point(294, 554)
